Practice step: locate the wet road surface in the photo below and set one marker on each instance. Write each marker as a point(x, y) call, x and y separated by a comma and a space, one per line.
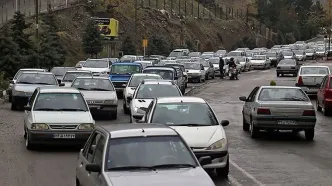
point(278, 159)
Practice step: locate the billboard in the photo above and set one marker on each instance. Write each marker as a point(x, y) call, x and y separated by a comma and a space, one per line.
point(108, 27)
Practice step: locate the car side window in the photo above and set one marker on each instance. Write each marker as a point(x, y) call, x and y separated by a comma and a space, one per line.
point(323, 84)
point(148, 114)
point(252, 95)
point(33, 97)
point(91, 147)
point(98, 154)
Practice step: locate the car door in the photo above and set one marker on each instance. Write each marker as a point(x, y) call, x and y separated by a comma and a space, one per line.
point(98, 157)
point(148, 114)
point(202, 72)
point(249, 104)
point(321, 90)
point(28, 120)
point(86, 157)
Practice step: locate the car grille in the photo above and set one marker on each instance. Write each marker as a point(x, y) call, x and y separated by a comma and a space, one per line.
point(93, 102)
point(119, 84)
point(63, 127)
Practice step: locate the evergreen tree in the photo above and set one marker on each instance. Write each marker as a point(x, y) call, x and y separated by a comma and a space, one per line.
point(10, 57)
point(92, 40)
point(128, 46)
point(157, 46)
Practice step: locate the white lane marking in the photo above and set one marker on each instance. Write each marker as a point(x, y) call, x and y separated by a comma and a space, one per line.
point(246, 173)
point(234, 181)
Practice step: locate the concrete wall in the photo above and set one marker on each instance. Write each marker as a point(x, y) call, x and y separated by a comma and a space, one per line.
point(27, 7)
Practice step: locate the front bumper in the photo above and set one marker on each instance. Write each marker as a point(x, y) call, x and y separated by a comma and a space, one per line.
point(20, 100)
point(219, 158)
point(48, 137)
point(262, 65)
point(102, 108)
point(271, 122)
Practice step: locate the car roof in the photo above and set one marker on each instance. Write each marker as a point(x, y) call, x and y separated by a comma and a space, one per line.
point(157, 81)
point(138, 130)
point(37, 72)
point(126, 63)
point(146, 74)
point(74, 71)
point(30, 69)
point(315, 66)
point(58, 90)
point(280, 87)
point(63, 67)
point(103, 59)
point(181, 99)
point(92, 77)
point(160, 67)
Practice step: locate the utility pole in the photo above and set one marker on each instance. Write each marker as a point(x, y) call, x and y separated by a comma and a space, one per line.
point(37, 29)
point(135, 38)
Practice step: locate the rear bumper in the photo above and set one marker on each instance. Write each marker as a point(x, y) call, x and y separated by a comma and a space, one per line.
point(271, 122)
point(47, 137)
point(286, 71)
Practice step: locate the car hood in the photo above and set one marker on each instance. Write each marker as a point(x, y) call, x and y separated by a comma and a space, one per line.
point(257, 61)
point(207, 135)
point(191, 71)
point(178, 177)
point(99, 95)
point(299, 55)
point(59, 117)
point(96, 70)
point(138, 103)
point(29, 87)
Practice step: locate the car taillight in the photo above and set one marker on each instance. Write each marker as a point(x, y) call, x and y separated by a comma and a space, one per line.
point(263, 111)
point(300, 81)
point(309, 113)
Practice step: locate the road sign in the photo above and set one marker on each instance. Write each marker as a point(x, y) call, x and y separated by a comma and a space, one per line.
point(145, 43)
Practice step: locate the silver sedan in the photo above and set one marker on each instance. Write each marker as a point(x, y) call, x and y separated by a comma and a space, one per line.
point(287, 66)
point(278, 108)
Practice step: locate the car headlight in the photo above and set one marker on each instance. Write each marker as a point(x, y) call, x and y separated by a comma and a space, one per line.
point(86, 126)
point(110, 102)
point(39, 126)
point(218, 144)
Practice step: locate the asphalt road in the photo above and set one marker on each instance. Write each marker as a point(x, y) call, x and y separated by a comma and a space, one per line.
point(278, 159)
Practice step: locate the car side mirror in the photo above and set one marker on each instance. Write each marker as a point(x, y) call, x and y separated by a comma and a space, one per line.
point(224, 123)
point(61, 85)
point(243, 98)
point(27, 108)
point(205, 160)
point(93, 167)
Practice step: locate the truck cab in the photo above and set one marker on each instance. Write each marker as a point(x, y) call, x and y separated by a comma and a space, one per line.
point(121, 72)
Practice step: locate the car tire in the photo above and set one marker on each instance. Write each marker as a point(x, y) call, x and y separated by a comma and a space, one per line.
point(13, 106)
point(223, 172)
point(309, 134)
point(326, 112)
point(28, 144)
point(254, 131)
point(278, 74)
point(319, 108)
point(245, 125)
point(186, 85)
point(213, 75)
point(77, 182)
point(207, 76)
point(125, 109)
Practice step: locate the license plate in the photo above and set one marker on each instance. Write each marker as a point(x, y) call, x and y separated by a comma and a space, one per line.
point(64, 136)
point(286, 122)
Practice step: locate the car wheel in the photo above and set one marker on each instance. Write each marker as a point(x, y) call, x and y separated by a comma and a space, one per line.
point(254, 132)
point(319, 108)
point(223, 172)
point(245, 125)
point(13, 106)
point(206, 77)
point(28, 144)
point(278, 74)
point(125, 109)
point(213, 75)
point(77, 182)
point(326, 112)
point(186, 85)
point(309, 134)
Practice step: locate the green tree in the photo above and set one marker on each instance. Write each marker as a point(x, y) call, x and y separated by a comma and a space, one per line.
point(128, 46)
point(92, 40)
point(26, 48)
point(157, 46)
point(10, 57)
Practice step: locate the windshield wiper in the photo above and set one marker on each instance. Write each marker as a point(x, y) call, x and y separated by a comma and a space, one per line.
point(173, 166)
point(46, 109)
point(71, 109)
point(191, 124)
point(100, 89)
point(131, 168)
point(24, 82)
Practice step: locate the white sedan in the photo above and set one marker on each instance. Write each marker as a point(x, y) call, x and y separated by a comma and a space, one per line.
point(192, 117)
point(261, 62)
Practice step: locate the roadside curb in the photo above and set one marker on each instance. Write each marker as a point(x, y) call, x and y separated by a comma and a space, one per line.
point(192, 89)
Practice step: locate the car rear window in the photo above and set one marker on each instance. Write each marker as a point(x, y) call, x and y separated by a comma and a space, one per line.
point(282, 94)
point(314, 70)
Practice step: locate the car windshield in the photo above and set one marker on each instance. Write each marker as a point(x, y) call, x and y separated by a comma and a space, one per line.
point(259, 58)
point(192, 66)
point(125, 69)
point(151, 91)
point(214, 60)
point(298, 52)
point(127, 58)
point(314, 70)
point(176, 54)
point(207, 56)
point(241, 59)
point(271, 54)
point(35, 78)
point(282, 94)
point(70, 76)
point(90, 63)
point(93, 84)
point(168, 152)
point(136, 80)
point(21, 71)
point(234, 53)
point(194, 54)
point(184, 114)
point(309, 51)
point(61, 71)
point(60, 102)
point(287, 62)
point(176, 65)
point(165, 74)
point(287, 53)
point(320, 49)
